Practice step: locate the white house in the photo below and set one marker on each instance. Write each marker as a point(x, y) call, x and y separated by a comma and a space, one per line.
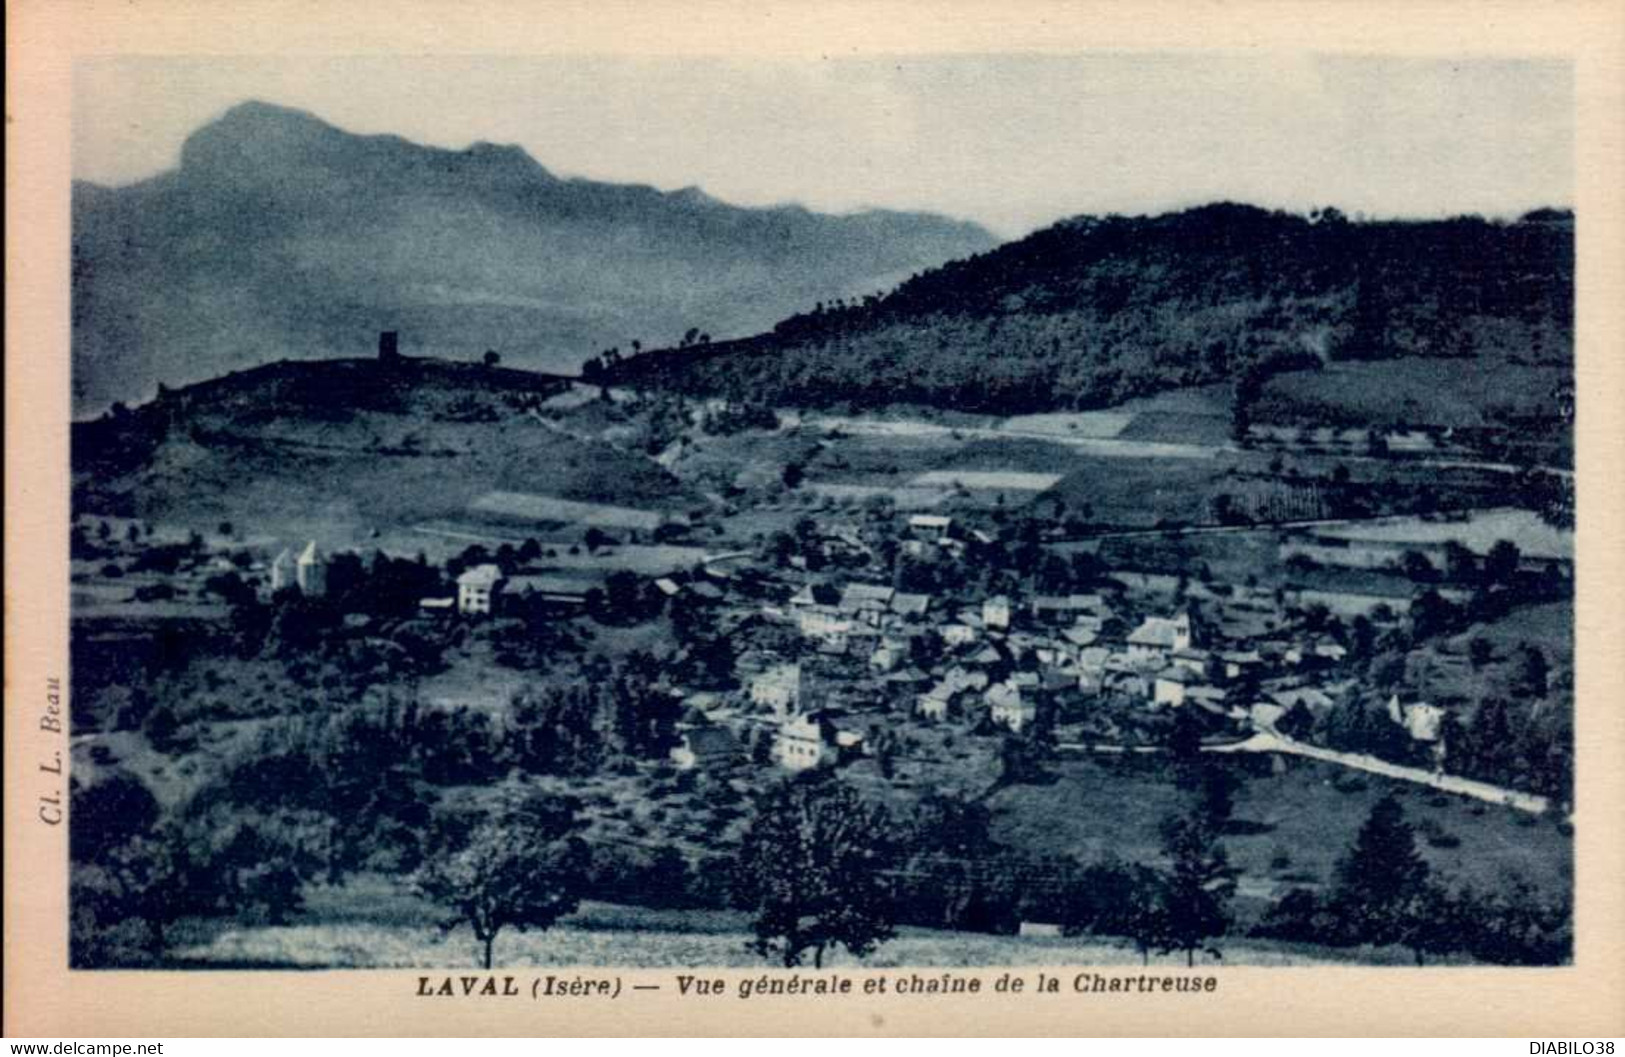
point(933, 704)
point(808, 741)
point(1169, 689)
point(888, 656)
point(778, 688)
point(1159, 637)
point(1007, 707)
point(477, 588)
point(996, 612)
point(1421, 721)
point(825, 626)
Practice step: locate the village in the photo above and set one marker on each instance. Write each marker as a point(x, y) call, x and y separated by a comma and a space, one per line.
point(840, 662)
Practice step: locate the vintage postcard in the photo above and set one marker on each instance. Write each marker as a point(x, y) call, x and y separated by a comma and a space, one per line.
point(930, 518)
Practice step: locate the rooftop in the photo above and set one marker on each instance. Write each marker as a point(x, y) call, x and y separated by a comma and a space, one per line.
point(480, 576)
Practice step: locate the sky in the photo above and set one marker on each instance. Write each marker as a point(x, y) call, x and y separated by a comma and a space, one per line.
point(1010, 141)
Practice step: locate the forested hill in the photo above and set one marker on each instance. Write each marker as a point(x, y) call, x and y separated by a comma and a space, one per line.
point(1093, 311)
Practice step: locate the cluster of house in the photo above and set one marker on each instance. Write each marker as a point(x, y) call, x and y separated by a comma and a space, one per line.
point(999, 660)
point(1008, 660)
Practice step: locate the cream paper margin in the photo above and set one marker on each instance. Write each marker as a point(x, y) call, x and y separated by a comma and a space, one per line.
point(45, 36)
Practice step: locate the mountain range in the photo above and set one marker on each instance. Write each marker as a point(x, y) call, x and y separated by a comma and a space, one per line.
point(281, 236)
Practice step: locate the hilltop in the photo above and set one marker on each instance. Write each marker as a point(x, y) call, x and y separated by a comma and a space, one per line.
point(279, 235)
point(1095, 311)
point(345, 451)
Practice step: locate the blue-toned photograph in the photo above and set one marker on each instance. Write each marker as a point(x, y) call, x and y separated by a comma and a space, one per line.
point(1096, 509)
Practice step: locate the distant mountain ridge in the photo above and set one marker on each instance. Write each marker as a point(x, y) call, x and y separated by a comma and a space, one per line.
point(1097, 310)
point(280, 235)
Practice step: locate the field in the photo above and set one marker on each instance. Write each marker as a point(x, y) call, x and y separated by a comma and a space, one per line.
point(528, 507)
point(1549, 626)
point(1478, 532)
point(1074, 424)
point(372, 924)
point(1410, 391)
point(987, 480)
point(1135, 493)
point(1292, 824)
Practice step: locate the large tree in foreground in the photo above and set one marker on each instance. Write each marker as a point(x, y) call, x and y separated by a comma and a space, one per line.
point(1382, 884)
point(519, 867)
point(1197, 887)
point(813, 866)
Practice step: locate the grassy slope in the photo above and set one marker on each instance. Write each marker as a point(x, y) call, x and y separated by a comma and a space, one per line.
point(370, 923)
point(1411, 390)
point(1096, 809)
point(333, 451)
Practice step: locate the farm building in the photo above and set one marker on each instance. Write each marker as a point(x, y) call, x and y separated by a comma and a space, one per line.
point(548, 589)
point(704, 747)
point(931, 528)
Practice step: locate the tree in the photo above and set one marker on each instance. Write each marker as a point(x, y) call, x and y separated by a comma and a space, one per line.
point(1115, 899)
point(108, 813)
point(1418, 568)
point(1501, 564)
point(1218, 796)
point(950, 825)
point(1381, 881)
point(1432, 615)
point(1431, 922)
point(122, 877)
point(519, 867)
point(1532, 675)
point(1460, 564)
point(120, 905)
point(1185, 744)
point(812, 867)
point(492, 358)
point(1197, 887)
